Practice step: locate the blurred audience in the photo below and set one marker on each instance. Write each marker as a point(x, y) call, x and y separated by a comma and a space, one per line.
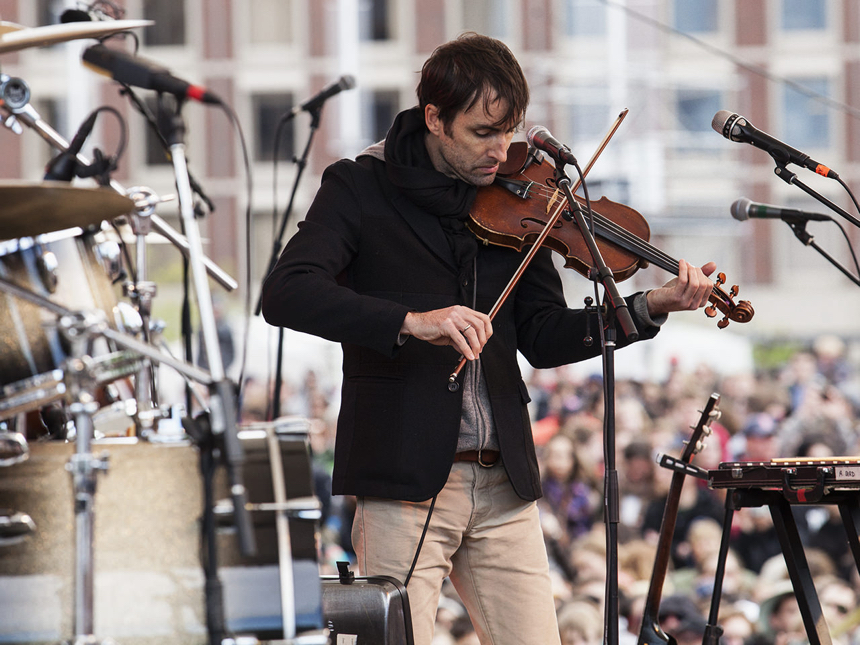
point(804, 407)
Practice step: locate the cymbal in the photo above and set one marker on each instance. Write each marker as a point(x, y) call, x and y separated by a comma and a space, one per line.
point(28, 209)
point(14, 37)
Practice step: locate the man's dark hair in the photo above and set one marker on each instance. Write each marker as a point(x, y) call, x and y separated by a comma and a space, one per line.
point(470, 68)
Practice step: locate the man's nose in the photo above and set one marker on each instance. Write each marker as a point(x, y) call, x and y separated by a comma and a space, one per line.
point(499, 151)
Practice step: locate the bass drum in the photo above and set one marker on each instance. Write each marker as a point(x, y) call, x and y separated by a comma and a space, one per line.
point(149, 582)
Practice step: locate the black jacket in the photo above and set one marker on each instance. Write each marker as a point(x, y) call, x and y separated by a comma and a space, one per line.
point(364, 257)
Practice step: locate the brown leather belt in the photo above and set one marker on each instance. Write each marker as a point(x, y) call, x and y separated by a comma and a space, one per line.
point(485, 458)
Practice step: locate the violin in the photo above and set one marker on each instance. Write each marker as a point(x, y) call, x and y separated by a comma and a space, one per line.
point(514, 210)
point(523, 207)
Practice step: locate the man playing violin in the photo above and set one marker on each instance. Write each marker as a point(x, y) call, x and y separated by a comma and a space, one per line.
point(385, 265)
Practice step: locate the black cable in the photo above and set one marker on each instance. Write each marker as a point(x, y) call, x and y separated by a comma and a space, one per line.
point(850, 247)
point(850, 194)
point(152, 121)
point(420, 542)
point(234, 120)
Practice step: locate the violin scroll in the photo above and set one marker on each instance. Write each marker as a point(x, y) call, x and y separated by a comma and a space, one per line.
point(741, 311)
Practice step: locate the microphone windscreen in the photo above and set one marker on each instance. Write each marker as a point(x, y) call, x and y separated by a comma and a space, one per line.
point(75, 15)
point(720, 119)
point(740, 209)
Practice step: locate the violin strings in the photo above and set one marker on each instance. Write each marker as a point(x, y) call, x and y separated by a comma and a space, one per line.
point(636, 243)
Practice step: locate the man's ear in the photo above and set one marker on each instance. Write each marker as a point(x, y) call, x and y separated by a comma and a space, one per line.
point(431, 118)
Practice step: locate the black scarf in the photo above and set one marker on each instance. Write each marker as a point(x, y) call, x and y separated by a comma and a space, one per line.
point(410, 169)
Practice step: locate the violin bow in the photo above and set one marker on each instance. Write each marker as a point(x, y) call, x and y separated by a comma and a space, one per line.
point(453, 385)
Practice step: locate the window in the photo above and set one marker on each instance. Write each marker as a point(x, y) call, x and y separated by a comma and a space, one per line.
point(48, 12)
point(379, 109)
point(268, 110)
point(490, 17)
point(803, 14)
point(695, 109)
point(169, 27)
point(54, 111)
point(270, 21)
point(374, 20)
point(589, 115)
point(696, 15)
point(585, 18)
point(156, 151)
point(806, 122)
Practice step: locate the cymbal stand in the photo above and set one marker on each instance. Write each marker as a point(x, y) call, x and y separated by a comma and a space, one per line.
point(141, 292)
point(84, 467)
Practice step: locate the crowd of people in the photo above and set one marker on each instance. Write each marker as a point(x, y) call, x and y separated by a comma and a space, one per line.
point(805, 407)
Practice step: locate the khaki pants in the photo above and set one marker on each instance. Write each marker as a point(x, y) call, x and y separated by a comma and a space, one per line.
point(484, 537)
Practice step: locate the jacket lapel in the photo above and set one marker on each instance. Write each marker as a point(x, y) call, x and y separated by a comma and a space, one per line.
point(426, 227)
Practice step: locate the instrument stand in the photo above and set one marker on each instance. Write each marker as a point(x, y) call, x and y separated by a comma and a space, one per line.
point(791, 178)
point(302, 162)
point(24, 112)
point(141, 292)
point(779, 502)
point(222, 415)
point(615, 312)
point(799, 228)
point(81, 380)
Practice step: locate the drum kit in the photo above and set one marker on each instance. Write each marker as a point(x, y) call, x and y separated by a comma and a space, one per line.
point(66, 340)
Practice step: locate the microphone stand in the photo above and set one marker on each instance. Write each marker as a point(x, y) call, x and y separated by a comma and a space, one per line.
point(616, 312)
point(222, 422)
point(791, 178)
point(316, 115)
point(799, 228)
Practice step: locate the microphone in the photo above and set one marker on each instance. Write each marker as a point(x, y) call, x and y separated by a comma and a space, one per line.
point(345, 82)
point(65, 165)
point(138, 72)
point(75, 15)
point(540, 138)
point(736, 128)
point(743, 209)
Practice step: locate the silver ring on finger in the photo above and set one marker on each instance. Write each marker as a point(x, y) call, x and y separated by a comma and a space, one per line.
point(466, 328)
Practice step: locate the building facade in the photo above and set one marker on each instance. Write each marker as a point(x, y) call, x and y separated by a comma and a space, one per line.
point(790, 66)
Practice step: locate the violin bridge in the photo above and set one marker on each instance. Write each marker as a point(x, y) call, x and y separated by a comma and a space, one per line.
point(551, 201)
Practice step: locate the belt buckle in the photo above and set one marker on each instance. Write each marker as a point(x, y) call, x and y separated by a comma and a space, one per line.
point(481, 461)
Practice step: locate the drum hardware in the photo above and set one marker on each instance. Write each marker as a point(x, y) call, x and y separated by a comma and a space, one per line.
point(15, 527)
point(28, 115)
point(81, 375)
point(109, 256)
point(222, 403)
point(30, 394)
point(47, 265)
point(141, 292)
point(13, 448)
point(14, 92)
point(301, 508)
point(14, 37)
point(81, 378)
point(28, 209)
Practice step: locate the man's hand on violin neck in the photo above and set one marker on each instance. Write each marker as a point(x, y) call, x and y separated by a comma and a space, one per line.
point(466, 329)
point(690, 290)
